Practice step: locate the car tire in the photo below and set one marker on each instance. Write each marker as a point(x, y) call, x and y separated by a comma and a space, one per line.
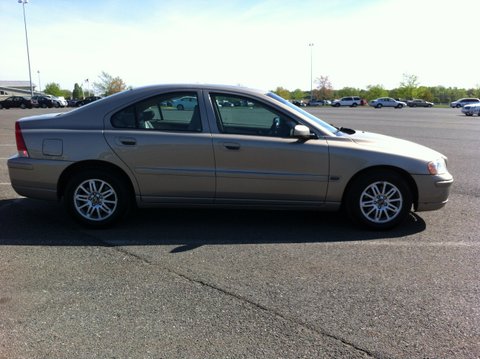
point(1, 106)
point(23, 106)
point(96, 198)
point(180, 107)
point(379, 105)
point(354, 104)
point(378, 200)
point(399, 106)
point(336, 105)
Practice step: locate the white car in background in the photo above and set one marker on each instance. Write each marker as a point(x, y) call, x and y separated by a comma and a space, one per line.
point(470, 110)
point(352, 101)
point(185, 103)
point(58, 101)
point(387, 102)
point(61, 101)
point(464, 101)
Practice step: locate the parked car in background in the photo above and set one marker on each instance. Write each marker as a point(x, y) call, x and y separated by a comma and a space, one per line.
point(319, 102)
point(387, 102)
point(16, 101)
point(472, 109)
point(60, 100)
point(299, 103)
point(464, 101)
point(352, 101)
point(72, 102)
point(42, 101)
point(270, 154)
point(87, 100)
point(419, 103)
point(189, 103)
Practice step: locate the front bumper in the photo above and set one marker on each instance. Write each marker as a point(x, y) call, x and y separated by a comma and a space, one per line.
point(433, 191)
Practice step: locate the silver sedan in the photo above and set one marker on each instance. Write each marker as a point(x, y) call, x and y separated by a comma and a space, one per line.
point(138, 148)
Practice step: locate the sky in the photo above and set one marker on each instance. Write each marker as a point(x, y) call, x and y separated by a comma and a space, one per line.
point(258, 44)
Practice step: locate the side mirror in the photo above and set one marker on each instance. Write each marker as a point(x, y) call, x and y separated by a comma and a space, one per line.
point(301, 131)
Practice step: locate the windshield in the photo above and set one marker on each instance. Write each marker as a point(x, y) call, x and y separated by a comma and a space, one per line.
point(319, 122)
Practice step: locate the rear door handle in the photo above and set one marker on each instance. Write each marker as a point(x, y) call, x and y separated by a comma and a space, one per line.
point(231, 145)
point(127, 141)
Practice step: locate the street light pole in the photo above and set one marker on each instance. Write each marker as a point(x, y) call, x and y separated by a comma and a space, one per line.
point(311, 70)
point(39, 83)
point(23, 2)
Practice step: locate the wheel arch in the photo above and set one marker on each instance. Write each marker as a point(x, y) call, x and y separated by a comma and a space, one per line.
point(400, 172)
point(78, 167)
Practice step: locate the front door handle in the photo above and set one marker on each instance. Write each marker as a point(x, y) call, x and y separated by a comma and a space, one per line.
point(128, 141)
point(231, 145)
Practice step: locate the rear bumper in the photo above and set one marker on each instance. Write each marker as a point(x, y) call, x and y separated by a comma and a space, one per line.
point(35, 178)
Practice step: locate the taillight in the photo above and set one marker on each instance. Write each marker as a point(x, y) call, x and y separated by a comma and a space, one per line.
point(21, 147)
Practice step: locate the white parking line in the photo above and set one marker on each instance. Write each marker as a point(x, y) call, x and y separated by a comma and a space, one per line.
point(5, 183)
point(422, 244)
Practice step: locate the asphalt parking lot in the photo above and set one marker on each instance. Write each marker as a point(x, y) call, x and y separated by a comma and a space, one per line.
point(249, 284)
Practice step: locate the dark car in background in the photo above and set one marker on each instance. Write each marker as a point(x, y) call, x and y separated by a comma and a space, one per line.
point(318, 103)
point(87, 100)
point(42, 101)
point(419, 103)
point(16, 101)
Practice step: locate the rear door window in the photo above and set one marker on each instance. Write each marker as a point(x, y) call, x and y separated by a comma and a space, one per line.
point(166, 112)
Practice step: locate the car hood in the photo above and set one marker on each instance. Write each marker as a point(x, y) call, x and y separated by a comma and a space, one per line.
point(388, 144)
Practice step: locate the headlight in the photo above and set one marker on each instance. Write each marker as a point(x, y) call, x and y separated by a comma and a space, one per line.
point(437, 167)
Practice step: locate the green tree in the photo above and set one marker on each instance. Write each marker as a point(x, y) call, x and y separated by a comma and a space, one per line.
point(108, 85)
point(77, 92)
point(283, 92)
point(375, 91)
point(346, 91)
point(408, 87)
point(298, 94)
point(66, 93)
point(424, 93)
point(53, 89)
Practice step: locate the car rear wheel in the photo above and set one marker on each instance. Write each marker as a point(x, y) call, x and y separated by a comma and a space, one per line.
point(379, 200)
point(354, 104)
point(95, 198)
point(180, 107)
point(379, 106)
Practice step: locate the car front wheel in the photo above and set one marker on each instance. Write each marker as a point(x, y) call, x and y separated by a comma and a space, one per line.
point(95, 198)
point(379, 200)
